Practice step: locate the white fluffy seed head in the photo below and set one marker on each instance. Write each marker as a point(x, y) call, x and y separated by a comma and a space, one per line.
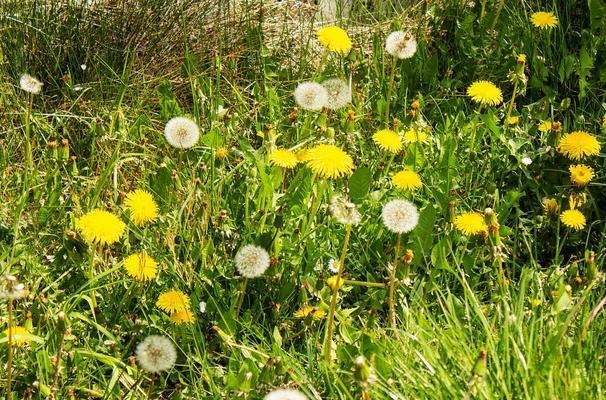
point(401, 44)
point(311, 96)
point(339, 94)
point(181, 132)
point(156, 353)
point(344, 211)
point(30, 84)
point(400, 216)
point(285, 394)
point(252, 261)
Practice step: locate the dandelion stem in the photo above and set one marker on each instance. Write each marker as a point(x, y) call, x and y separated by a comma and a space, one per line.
point(511, 102)
point(392, 75)
point(314, 207)
point(333, 300)
point(363, 283)
point(392, 288)
point(241, 299)
point(9, 356)
point(53, 388)
point(150, 391)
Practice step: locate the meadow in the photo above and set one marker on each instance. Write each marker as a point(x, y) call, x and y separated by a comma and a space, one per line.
point(278, 200)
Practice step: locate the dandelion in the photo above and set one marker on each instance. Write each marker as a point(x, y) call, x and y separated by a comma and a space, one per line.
point(11, 290)
point(344, 211)
point(579, 144)
point(182, 317)
point(544, 20)
point(334, 39)
point(221, 153)
point(551, 206)
point(285, 394)
point(526, 160)
point(407, 180)
point(581, 174)
point(283, 158)
point(415, 136)
point(307, 311)
point(545, 126)
point(142, 207)
point(182, 132)
point(339, 94)
point(329, 161)
point(156, 353)
point(252, 261)
point(141, 266)
point(173, 301)
point(311, 96)
point(335, 282)
point(471, 223)
point(388, 140)
point(513, 120)
point(30, 84)
point(573, 219)
point(521, 59)
point(485, 92)
point(101, 227)
point(401, 44)
point(400, 216)
point(18, 335)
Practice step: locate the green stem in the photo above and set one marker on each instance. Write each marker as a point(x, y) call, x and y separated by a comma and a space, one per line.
point(241, 299)
point(392, 75)
point(363, 283)
point(333, 300)
point(314, 207)
point(392, 288)
point(513, 97)
point(9, 357)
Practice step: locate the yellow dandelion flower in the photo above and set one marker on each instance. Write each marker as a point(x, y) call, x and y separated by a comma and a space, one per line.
point(551, 206)
point(283, 158)
point(142, 207)
point(334, 282)
point(522, 59)
point(581, 174)
point(512, 120)
point(573, 219)
point(182, 317)
point(545, 126)
point(318, 314)
point(101, 227)
point(388, 140)
point(485, 92)
point(415, 136)
point(334, 39)
point(141, 266)
point(304, 312)
point(544, 20)
point(329, 161)
point(303, 155)
point(19, 335)
point(407, 180)
point(579, 144)
point(173, 301)
point(471, 223)
point(221, 153)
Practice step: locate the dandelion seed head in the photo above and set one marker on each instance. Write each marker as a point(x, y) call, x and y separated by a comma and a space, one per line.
point(400, 216)
point(285, 394)
point(30, 84)
point(11, 289)
point(182, 132)
point(401, 44)
point(338, 92)
point(252, 261)
point(311, 96)
point(344, 211)
point(156, 353)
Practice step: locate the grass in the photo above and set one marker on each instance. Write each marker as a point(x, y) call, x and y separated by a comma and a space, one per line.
point(464, 329)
